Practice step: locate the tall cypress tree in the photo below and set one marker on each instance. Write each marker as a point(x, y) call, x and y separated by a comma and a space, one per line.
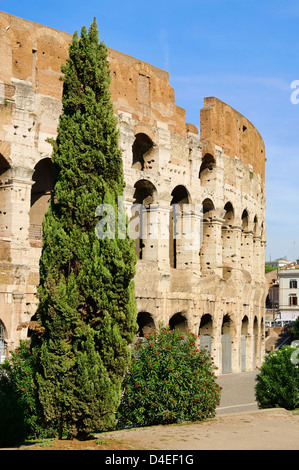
point(86, 307)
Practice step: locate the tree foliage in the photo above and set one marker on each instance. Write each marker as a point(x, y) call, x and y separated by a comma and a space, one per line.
point(170, 380)
point(278, 381)
point(86, 294)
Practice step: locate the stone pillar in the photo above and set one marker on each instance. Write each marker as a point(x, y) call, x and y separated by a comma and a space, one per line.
point(247, 251)
point(18, 207)
point(231, 241)
point(211, 249)
point(258, 265)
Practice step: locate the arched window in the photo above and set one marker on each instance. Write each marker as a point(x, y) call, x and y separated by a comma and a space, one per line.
point(226, 342)
point(207, 165)
point(207, 247)
point(205, 332)
point(146, 323)
point(180, 197)
point(41, 193)
point(245, 220)
point(2, 342)
point(141, 149)
point(228, 237)
point(144, 196)
point(178, 322)
point(4, 175)
point(243, 343)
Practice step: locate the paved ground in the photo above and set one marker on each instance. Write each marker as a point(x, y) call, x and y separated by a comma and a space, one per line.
point(238, 393)
point(238, 425)
point(257, 430)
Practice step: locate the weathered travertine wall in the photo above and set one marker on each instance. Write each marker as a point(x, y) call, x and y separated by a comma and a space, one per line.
point(217, 289)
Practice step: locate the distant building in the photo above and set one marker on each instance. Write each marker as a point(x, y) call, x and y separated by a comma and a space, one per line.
point(279, 262)
point(289, 292)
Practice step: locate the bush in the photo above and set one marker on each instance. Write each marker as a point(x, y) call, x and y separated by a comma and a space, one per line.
point(19, 413)
point(170, 380)
point(278, 381)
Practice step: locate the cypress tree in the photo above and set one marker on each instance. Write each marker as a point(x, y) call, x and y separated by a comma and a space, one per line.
point(86, 309)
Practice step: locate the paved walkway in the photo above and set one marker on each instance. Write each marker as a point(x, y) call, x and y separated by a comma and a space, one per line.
point(257, 430)
point(238, 393)
point(238, 425)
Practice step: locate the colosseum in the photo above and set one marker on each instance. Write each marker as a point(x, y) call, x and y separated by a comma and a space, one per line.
point(215, 288)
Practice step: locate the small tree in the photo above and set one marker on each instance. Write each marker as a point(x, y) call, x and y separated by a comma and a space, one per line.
point(295, 330)
point(278, 381)
point(19, 412)
point(86, 294)
point(170, 380)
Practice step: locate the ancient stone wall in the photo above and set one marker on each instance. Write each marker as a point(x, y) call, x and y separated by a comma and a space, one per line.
point(214, 283)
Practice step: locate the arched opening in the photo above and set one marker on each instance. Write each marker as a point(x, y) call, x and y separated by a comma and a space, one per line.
point(244, 338)
point(141, 149)
point(176, 224)
point(146, 324)
point(255, 226)
point(226, 343)
point(2, 342)
point(41, 194)
point(205, 332)
point(255, 342)
point(207, 246)
point(144, 196)
point(228, 237)
point(246, 242)
point(4, 175)
point(229, 214)
point(178, 322)
point(244, 220)
point(207, 165)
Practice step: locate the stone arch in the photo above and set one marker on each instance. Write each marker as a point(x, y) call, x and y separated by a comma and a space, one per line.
point(255, 226)
point(145, 195)
point(229, 215)
point(207, 165)
point(205, 332)
point(5, 170)
point(41, 194)
point(207, 246)
point(180, 197)
point(146, 324)
point(255, 337)
point(245, 220)
point(226, 343)
point(228, 236)
point(244, 342)
point(2, 342)
point(178, 322)
point(246, 242)
point(142, 152)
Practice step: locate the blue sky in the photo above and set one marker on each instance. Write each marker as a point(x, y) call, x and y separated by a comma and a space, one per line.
point(244, 52)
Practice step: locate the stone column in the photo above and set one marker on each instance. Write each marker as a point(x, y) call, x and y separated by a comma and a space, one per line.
point(247, 251)
point(18, 207)
point(231, 238)
point(211, 250)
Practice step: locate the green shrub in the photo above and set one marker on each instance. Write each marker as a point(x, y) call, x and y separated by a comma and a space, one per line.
point(278, 381)
point(12, 421)
point(170, 380)
point(19, 413)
